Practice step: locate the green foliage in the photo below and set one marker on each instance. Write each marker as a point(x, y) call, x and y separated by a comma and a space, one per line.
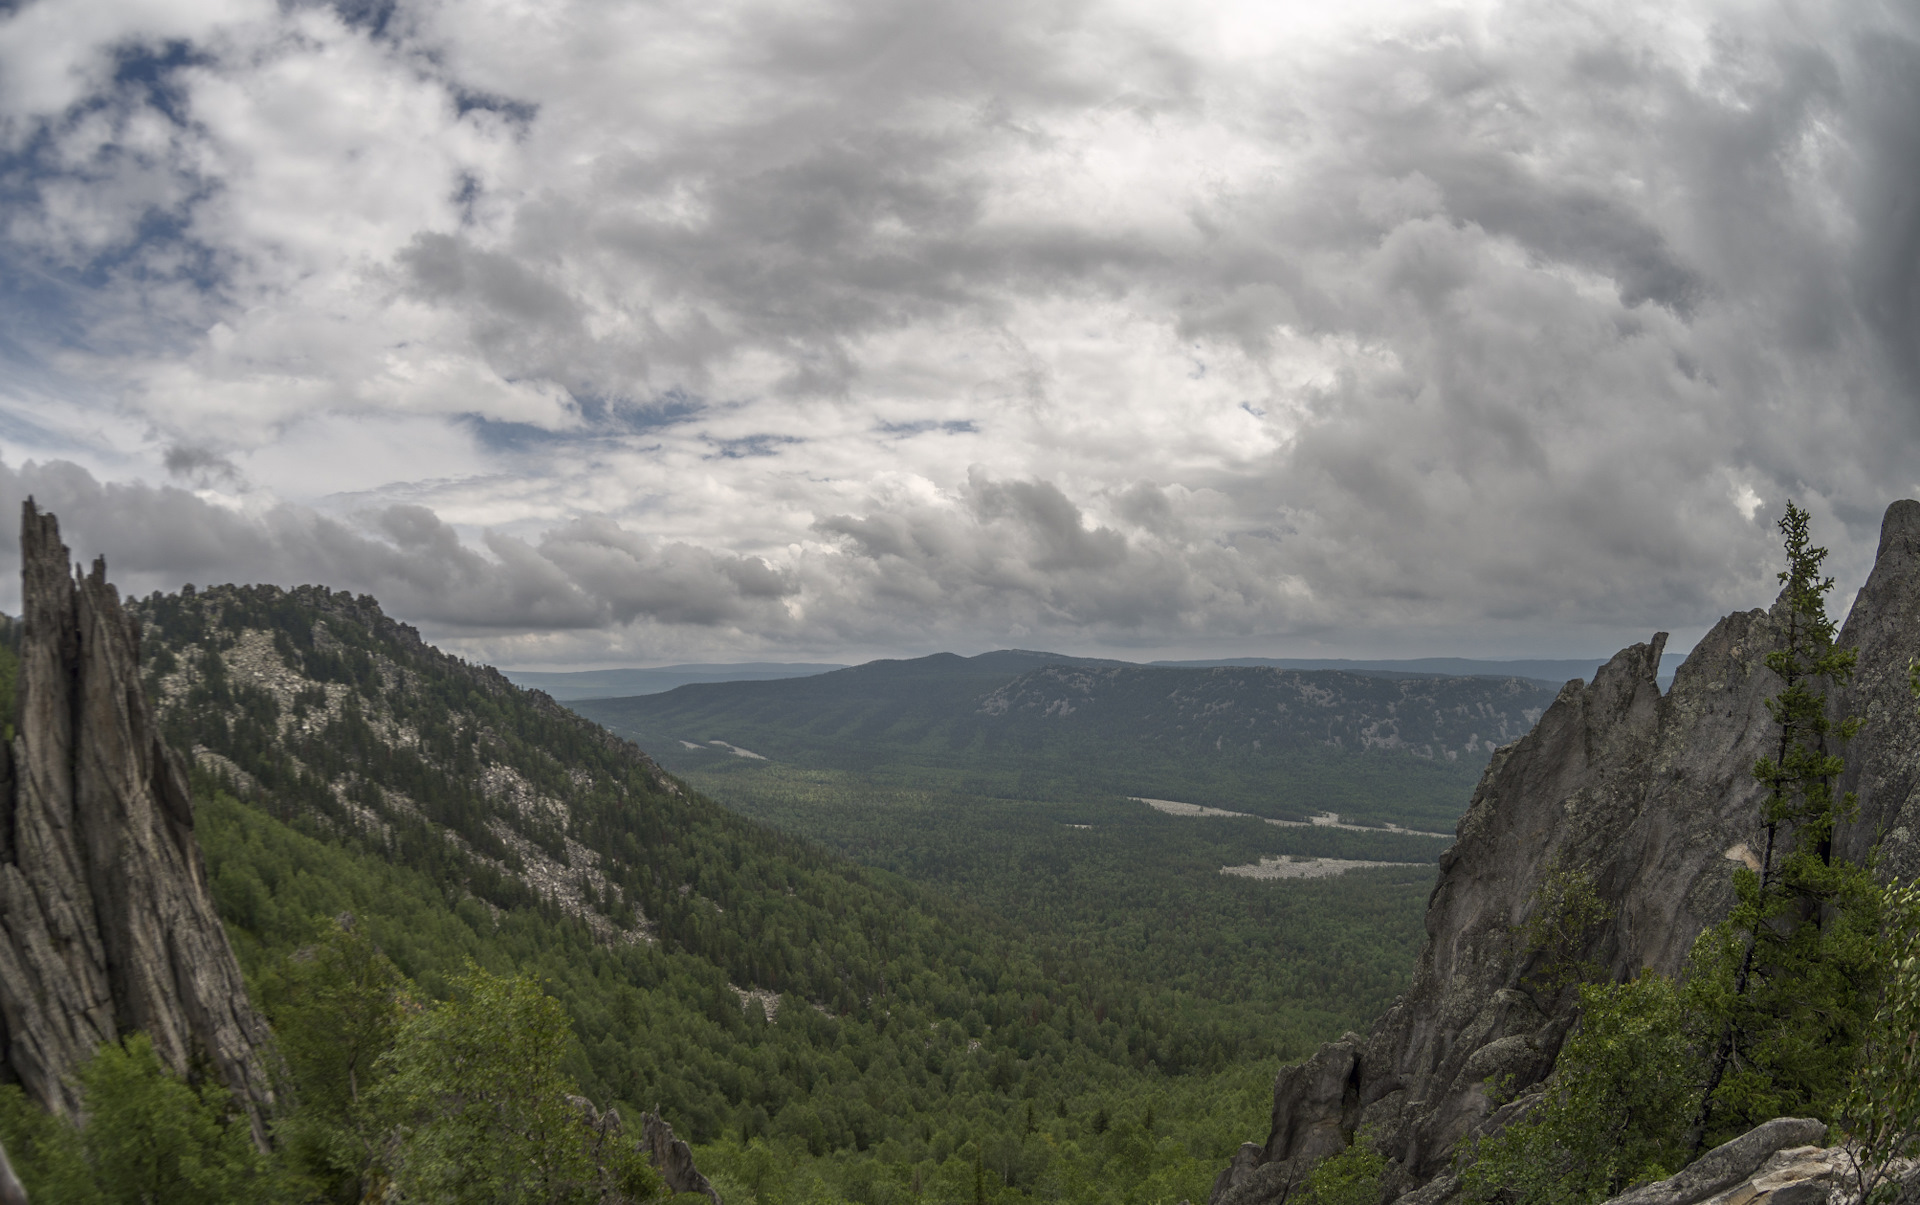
point(1791, 1037)
point(476, 1091)
point(1349, 1177)
point(47, 1152)
point(1791, 976)
point(150, 1139)
point(1615, 1111)
point(912, 1031)
point(1563, 916)
point(1882, 1109)
point(1137, 897)
point(867, 1099)
point(336, 1007)
point(1777, 998)
point(1800, 775)
point(1200, 1121)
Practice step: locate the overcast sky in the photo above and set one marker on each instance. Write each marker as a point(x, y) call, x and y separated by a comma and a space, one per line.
point(589, 332)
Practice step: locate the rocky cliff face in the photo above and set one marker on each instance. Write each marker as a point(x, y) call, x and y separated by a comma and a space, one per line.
point(106, 925)
point(1883, 764)
point(1652, 796)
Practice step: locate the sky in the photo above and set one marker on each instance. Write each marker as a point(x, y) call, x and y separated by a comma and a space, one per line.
point(587, 333)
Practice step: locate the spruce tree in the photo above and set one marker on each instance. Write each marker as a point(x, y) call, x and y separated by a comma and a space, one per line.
point(1786, 984)
point(1777, 998)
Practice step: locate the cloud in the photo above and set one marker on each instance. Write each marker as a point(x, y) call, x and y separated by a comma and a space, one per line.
point(201, 466)
point(587, 575)
point(1450, 330)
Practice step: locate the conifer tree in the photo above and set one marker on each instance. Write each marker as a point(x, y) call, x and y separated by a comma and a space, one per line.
point(1777, 998)
point(1788, 981)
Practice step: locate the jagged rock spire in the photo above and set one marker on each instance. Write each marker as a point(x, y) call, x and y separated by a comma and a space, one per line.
point(1651, 795)
point(106, 924)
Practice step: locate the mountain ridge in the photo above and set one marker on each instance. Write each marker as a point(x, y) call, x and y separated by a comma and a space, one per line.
point(565, 685)
point(1027, 725)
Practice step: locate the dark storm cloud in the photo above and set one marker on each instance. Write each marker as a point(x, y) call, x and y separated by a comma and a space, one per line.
point(1525, 441)
point(202, 466)
point(1886, 98)
point(1539, 315)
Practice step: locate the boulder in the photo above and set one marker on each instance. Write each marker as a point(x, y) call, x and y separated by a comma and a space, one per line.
point(1731, 1163)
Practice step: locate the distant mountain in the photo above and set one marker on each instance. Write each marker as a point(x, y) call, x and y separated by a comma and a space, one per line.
point(883, 701)
point(564, 687)
point(569, 686)
point(1020, 724)
point(1549, 672)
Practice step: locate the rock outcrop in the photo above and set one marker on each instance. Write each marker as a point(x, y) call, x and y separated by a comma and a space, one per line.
point(106, 924)
point(1780, 1163)
point(1730, 1164)
point(1649, 794)
point(673, 1158)
point(670, 1157)
point(1883, 763)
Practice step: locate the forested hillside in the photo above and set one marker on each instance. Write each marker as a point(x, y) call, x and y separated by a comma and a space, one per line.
point(1003, 780)
point(771, 996)
point(1274, 742)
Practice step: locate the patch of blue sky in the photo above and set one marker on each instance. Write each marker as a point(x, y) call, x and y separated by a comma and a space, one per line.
point(161, 249)
point(39, 307)
point(601, 418)
point(625, 416)
point(51, 295)
point(746, 446)
point(145, 73)
point(46, 307)
point(373, 16)
point(964, 426)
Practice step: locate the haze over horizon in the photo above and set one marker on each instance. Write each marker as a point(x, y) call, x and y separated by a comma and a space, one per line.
point(587, 335)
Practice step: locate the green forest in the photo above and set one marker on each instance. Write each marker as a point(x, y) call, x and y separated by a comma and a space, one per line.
point(1129, 889)
point(1286, 744)
point(959, 1021)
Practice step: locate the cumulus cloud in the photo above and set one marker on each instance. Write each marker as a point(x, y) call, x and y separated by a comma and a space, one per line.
point(1496, 327)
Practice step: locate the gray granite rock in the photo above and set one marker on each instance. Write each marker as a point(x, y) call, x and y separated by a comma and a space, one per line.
point(1727, 1164)
point(673, 1159)
point(1883, 763)
point(106, 924)
point(1652, 796)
